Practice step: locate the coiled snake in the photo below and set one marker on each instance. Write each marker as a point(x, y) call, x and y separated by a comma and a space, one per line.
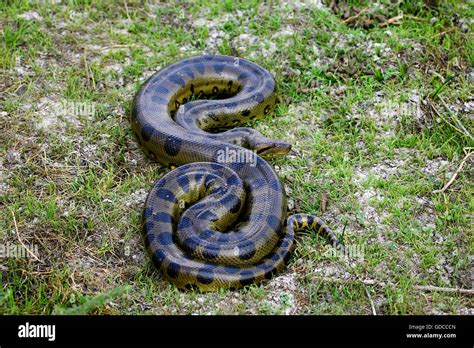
point(219, 219)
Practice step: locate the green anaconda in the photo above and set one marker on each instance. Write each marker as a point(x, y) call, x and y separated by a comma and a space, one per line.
point(220, 218)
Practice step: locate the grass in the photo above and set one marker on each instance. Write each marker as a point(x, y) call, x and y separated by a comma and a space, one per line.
point(378, 116)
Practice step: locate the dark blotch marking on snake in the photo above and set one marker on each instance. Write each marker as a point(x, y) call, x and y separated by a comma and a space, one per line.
point(273, 257)
point(243, 76)
point(166, 195)
point(147, 213)
point(158, 99)
point(268, 275)
point(287, 257)
point(206, 215)
point(149, 238)
point(200, 67)
point(148, 227)
point(210, 252)
point(264, 266)
point(218, 67)
point(247, 250)
point(177, 79)
point(198, 177)
point(223, 238)
point(273, 222)
point(205, 275)
point(237, 166)
point(231, 105)
point(161, 90)
point(189, 286)
point(259, 98)
point(247, 278)
point(158, 257)
point(183, 182)
point(231, 202)
point(177, 104)
point(233, 180)
point(188, 71)
point(231, 269)
point(199, 206)
point(165, 238)
point(267, 109)
point(147, 132)
point(173, 269)
point(206, 234)
point(275, 185)
point(190, 244)
point(216, 166)
point(185, 222)
point(163, 217)
point(270, 85)
point(172, 145)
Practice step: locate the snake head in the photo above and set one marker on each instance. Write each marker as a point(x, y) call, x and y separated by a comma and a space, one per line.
point(272, 148)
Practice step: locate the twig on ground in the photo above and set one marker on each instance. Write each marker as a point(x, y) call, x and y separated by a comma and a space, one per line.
point(90, 77)
point(436, 288)
point(114, 46)
point(444, 32)
point(353, 18)
point(415, 18)
point(126, 11)
point(392, 20)
point(445, 187)
point(21, 242)
point(374, 312)
point(417, 287)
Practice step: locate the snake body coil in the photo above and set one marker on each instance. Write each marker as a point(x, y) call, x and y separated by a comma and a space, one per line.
point(219, 219)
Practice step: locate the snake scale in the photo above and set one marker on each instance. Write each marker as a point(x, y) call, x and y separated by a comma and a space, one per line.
point(219, 220)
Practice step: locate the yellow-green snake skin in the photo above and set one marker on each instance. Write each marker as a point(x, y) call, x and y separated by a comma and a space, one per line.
point(220, 219)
